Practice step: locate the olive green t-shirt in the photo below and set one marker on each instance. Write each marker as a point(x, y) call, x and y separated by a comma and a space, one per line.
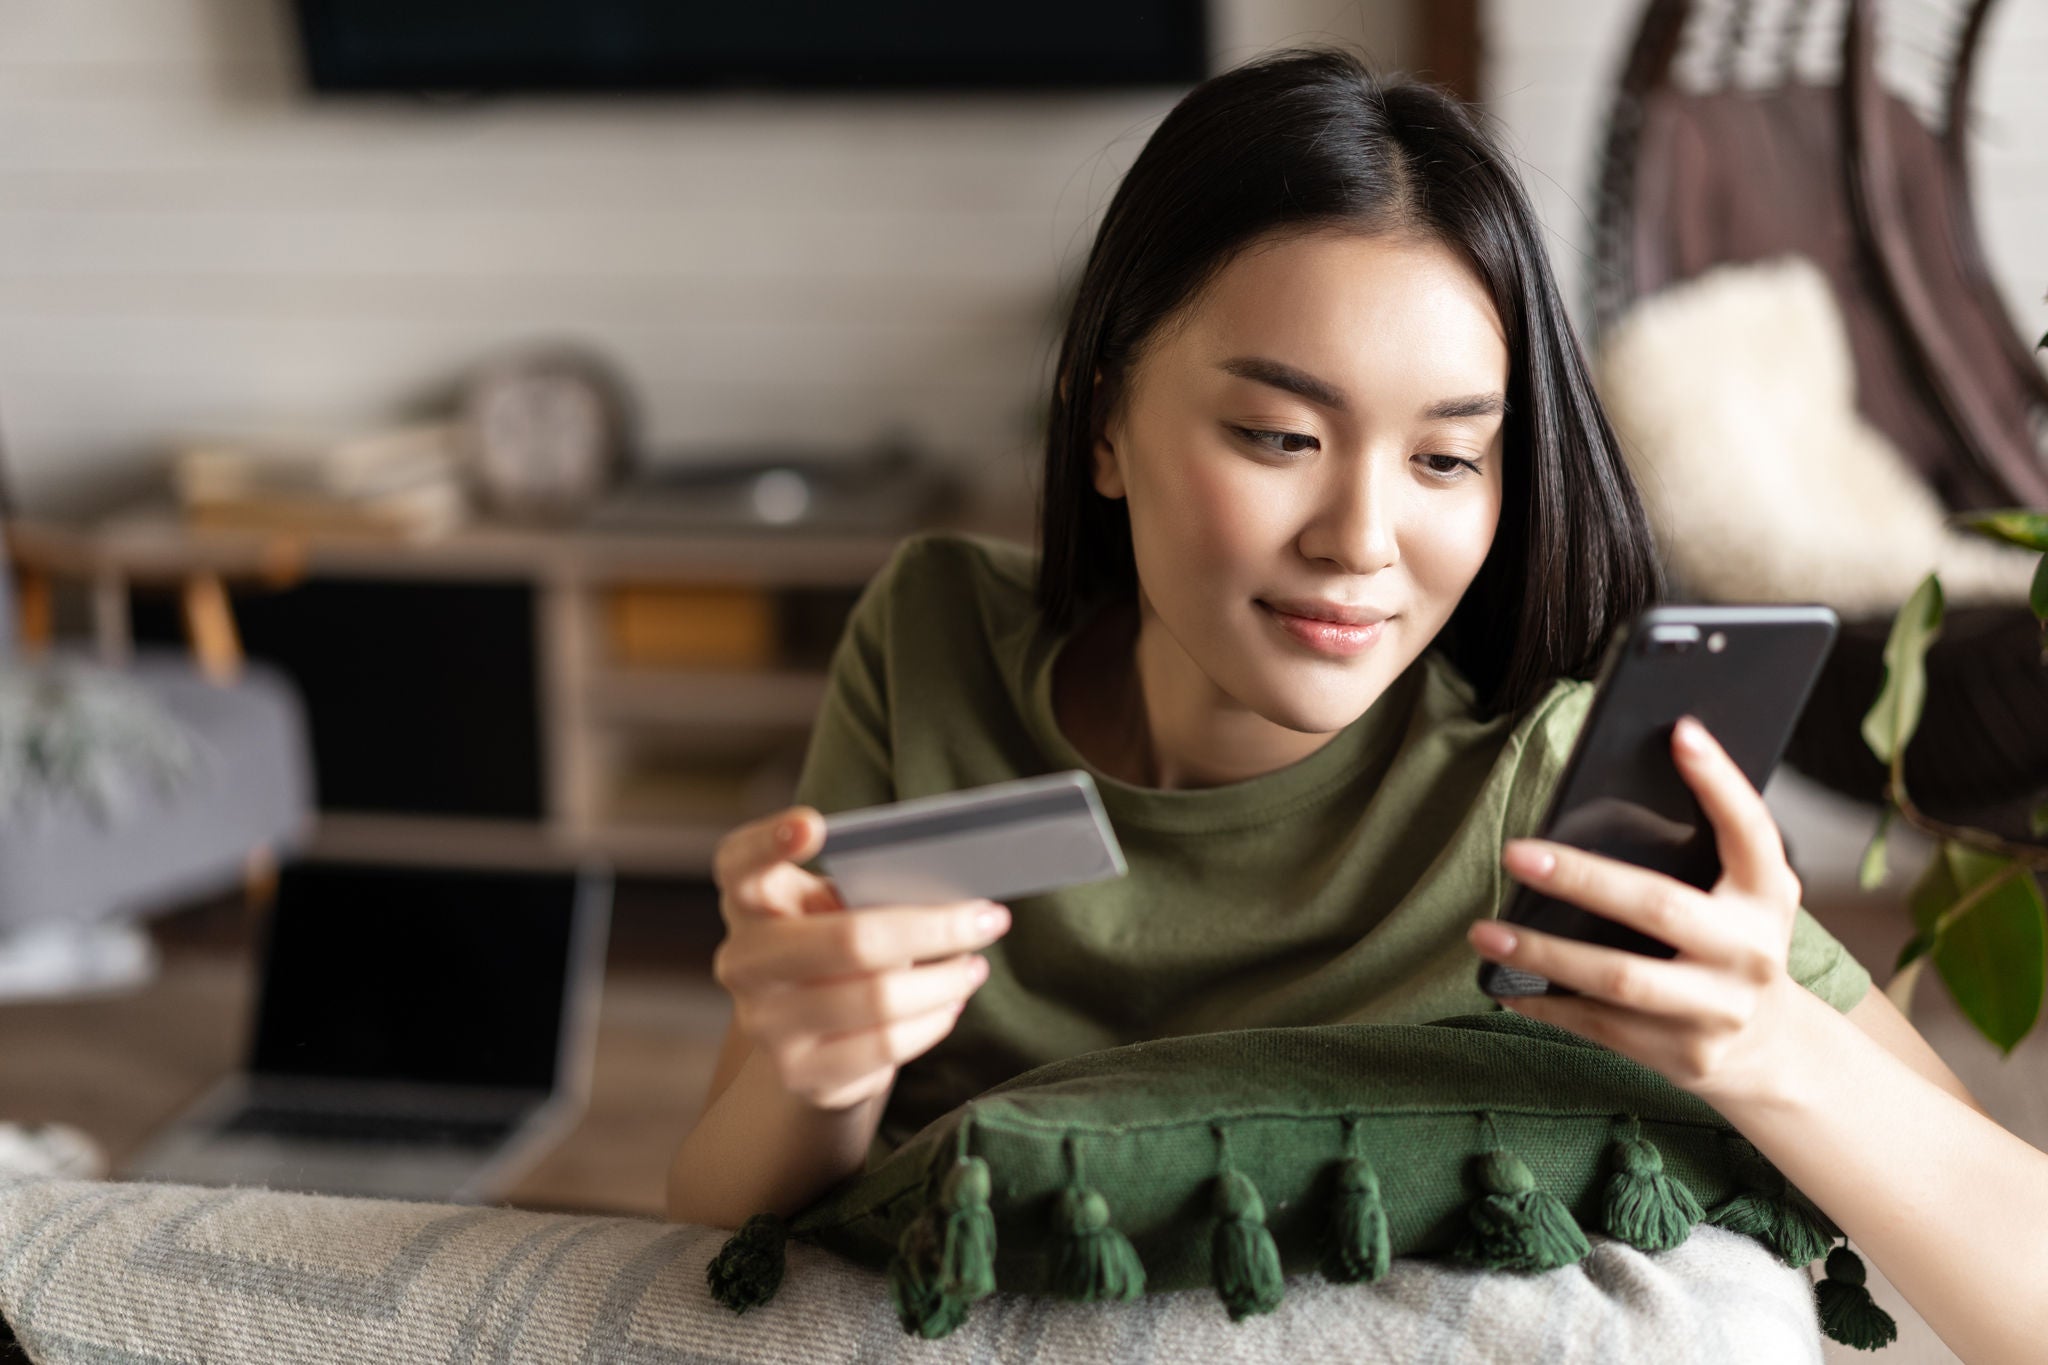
point(1334, 890)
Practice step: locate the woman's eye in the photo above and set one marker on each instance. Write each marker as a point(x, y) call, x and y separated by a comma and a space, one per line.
point(1450, 466)
point(1259, 438)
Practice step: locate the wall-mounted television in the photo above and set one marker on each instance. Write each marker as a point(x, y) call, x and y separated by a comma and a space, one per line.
point(589, 46)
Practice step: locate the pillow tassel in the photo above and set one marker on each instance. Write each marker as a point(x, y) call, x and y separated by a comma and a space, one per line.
point(922, 1306)
point(747, 1270)
point(1092, 1261)
point(1847, 1312)
point(1515, 1225)
point(1778, 1221)
point(1802, 1238)
point(1243, 1258)
point(967, 1245)
point(1356, 1248)
point(1644, 1207)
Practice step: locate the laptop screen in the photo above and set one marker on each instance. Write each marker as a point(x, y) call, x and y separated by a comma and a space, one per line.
point(429, 975)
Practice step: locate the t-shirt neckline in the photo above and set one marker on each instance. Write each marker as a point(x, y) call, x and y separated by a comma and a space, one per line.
point(1354, 750)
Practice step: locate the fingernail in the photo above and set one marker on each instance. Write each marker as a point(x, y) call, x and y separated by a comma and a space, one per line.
point(1691, 734)
point(977, 969)
point(1531, 860)
point(993, 920)
point(785, 833)
point(1492, 938)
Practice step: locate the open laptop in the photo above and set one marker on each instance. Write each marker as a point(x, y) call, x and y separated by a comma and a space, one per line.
point(420, 1033)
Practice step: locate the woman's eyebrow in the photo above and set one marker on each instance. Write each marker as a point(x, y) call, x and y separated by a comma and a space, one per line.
point(1261, 370)
point(1280, 375)
point(1471, 405)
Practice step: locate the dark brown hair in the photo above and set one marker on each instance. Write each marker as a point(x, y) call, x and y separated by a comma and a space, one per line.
point(1307, 139)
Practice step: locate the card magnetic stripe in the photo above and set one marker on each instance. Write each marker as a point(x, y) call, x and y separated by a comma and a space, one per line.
point(954, 822)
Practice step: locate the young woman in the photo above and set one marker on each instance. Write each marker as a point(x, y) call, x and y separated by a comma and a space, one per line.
point(1333, 532)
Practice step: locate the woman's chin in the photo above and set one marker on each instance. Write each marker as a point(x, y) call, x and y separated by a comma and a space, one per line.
point(1324, 697)
point(1322, 711)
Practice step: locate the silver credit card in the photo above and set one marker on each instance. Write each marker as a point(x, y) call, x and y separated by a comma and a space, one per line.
point(1003, 840)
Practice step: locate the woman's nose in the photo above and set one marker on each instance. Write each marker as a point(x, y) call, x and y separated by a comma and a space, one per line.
point(1354, 527)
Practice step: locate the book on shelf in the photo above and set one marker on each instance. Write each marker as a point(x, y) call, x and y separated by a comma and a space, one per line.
point(404, 482)
point(682, 626)
point(413, 513)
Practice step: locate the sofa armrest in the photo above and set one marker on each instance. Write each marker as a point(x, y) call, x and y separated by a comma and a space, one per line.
point(96, 1271)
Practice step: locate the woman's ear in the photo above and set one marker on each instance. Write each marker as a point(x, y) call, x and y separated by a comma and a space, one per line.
point(1107, 465)
point(1109, 471)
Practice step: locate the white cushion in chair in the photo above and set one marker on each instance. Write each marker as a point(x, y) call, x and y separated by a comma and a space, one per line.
point(1734, 398)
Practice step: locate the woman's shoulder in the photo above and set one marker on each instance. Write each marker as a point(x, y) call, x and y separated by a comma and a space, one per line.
point(1542, 745)
point(947, 555)
point(1552, 722)
point(916, 645)
point(1523, 752)
point(939, 578)
point(1549, 722)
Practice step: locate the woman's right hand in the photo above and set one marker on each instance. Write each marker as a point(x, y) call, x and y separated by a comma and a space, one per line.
point(837, 999)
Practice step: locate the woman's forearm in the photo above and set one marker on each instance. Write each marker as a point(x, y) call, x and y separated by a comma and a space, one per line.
point(759, 1149)
point(1949, 1204)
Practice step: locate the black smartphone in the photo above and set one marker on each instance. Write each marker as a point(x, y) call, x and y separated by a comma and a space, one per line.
point(1745, 672)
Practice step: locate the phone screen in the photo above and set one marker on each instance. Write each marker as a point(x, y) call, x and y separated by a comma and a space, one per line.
point(1746, 673)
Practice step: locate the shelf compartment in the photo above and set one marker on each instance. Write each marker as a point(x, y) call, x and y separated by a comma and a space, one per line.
point(776, 697)
point(680, 848)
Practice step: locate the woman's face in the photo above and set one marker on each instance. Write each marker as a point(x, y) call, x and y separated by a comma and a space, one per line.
point(1321, 435)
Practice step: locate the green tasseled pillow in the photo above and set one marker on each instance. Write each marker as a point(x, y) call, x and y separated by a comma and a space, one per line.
point(1238, 1158)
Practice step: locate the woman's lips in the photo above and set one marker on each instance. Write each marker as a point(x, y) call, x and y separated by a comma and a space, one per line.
point(1326, 637)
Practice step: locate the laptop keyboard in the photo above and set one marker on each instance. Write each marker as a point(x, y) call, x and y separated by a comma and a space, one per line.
point(393, 1130)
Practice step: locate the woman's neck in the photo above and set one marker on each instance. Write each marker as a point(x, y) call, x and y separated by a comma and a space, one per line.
point(1129, 698)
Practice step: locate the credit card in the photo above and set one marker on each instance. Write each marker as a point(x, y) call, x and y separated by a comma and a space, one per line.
point(1004, 840)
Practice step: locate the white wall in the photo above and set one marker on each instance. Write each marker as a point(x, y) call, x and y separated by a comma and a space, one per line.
point(188, 243)
point(1549, 64)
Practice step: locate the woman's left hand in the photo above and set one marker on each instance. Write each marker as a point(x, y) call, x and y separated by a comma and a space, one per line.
point(1708, 1018)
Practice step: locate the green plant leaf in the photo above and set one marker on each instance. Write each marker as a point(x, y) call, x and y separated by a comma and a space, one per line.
point(1899, 990)
point(1915, 949)
point(2028, 530)
point(1870, 873)
point(2039, 595)
point(1993, 956)
point(1890, 724)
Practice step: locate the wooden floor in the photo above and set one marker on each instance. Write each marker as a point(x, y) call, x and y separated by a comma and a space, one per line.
point(121, 1066)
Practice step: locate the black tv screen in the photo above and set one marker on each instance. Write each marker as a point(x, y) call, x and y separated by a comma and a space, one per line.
point(463, 46)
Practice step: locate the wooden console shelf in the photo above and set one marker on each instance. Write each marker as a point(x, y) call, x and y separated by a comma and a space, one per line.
point(644, 766)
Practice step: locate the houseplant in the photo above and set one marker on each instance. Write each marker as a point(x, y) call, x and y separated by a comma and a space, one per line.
point(1978, 910)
